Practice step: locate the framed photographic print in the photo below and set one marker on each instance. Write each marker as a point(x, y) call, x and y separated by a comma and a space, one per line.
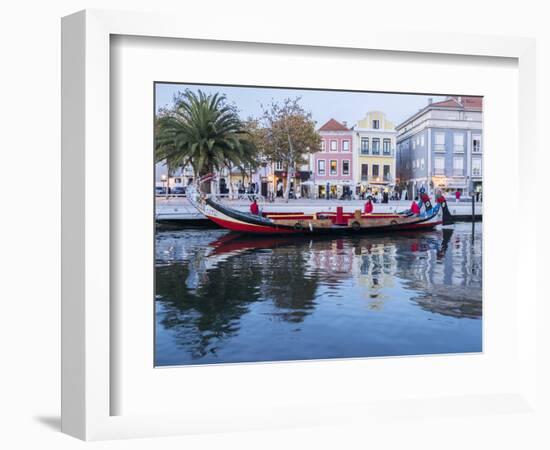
point(268, 230)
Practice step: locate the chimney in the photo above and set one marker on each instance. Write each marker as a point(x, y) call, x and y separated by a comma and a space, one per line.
point(430, 101)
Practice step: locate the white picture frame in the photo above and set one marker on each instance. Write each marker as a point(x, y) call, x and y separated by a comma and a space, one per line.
point(87, 325)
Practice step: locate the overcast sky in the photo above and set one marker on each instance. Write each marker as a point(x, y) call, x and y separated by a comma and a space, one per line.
point(324, 105)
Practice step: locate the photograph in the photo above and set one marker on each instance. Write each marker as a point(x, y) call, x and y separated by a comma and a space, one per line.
point(296, 224)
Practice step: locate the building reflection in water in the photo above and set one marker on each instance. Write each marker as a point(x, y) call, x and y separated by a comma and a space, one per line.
point(209, 281)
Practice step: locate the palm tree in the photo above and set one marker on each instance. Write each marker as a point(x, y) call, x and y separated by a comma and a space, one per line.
point(203, 131)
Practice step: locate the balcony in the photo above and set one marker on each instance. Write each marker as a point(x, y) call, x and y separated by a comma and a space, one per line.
point(439, 148)
point(439, 171)
point(364, 178)
point(458, 172)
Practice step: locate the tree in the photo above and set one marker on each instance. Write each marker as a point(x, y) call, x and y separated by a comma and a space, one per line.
point(203, 131)
point(288, 136)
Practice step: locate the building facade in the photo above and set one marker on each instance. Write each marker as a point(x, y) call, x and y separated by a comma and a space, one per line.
point(333, 171)
point(374, 144)
point(440, 147)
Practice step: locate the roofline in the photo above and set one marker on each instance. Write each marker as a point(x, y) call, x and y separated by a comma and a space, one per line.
point(432, 107)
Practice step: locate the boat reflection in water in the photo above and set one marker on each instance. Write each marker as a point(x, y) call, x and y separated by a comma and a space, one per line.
point(222, 297)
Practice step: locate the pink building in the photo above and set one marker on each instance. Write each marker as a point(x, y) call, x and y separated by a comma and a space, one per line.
point(333, 165)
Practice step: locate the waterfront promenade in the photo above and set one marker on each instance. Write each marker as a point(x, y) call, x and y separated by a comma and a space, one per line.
point(179, 208)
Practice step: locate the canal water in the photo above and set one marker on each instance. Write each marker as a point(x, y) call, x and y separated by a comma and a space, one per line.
point(225, 298)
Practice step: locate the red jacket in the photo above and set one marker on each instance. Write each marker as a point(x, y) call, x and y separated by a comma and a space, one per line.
point(368, 207)
point(254, 208)
point(414, 208)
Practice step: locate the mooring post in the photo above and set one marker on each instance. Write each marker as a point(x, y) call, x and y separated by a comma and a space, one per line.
point(473, 207)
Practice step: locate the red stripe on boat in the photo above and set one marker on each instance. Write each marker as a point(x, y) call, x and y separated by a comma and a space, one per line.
point(236, 226)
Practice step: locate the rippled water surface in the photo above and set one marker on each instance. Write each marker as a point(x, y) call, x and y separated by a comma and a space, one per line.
point(224, 298)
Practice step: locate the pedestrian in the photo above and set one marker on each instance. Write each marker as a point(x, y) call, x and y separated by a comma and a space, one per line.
point(280, 189)
point(415, 209)
point(457, 196)
point(254, 209)
point(368, 206)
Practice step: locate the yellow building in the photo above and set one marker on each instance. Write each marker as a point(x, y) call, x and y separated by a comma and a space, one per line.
point(374, 153)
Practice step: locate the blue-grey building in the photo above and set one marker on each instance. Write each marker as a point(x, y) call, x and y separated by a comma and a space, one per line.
point(440, 147)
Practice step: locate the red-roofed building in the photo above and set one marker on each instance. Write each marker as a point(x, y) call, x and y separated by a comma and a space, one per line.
point(332, 167)
point(440, 147)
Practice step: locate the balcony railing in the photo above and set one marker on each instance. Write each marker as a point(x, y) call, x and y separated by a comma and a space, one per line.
point(458, 149)
point(364, 178)
point(458, 172)
point(439, 148)
point(439, 171)
point(374, 152)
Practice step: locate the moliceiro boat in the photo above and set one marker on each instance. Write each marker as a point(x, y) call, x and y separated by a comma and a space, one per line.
point(321, 222)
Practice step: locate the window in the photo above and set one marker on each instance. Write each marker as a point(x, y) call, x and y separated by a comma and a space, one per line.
point(386, 172)
point(422, 140)
point(320, 167)
point(375, 146)
point(333, 167)
point(458, 143)
point(458, 166)
point(422, 163)
point(386, 146)
point(364, 146)
point(279, 165)
point(476, 143)
point(439, 142)
point(364, 172)
point(476, 167)
point(323, 145)
point(345, 146)
point(375, 171)
point(333, 146)
point(345, 167)
point(376, 124)
point(439, 165)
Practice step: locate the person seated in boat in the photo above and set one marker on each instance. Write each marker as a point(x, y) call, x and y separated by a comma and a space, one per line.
point(254, 209)
point(368, 206)
point(415, 209)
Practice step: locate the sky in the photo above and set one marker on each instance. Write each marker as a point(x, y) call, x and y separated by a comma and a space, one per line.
point(324, 105)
